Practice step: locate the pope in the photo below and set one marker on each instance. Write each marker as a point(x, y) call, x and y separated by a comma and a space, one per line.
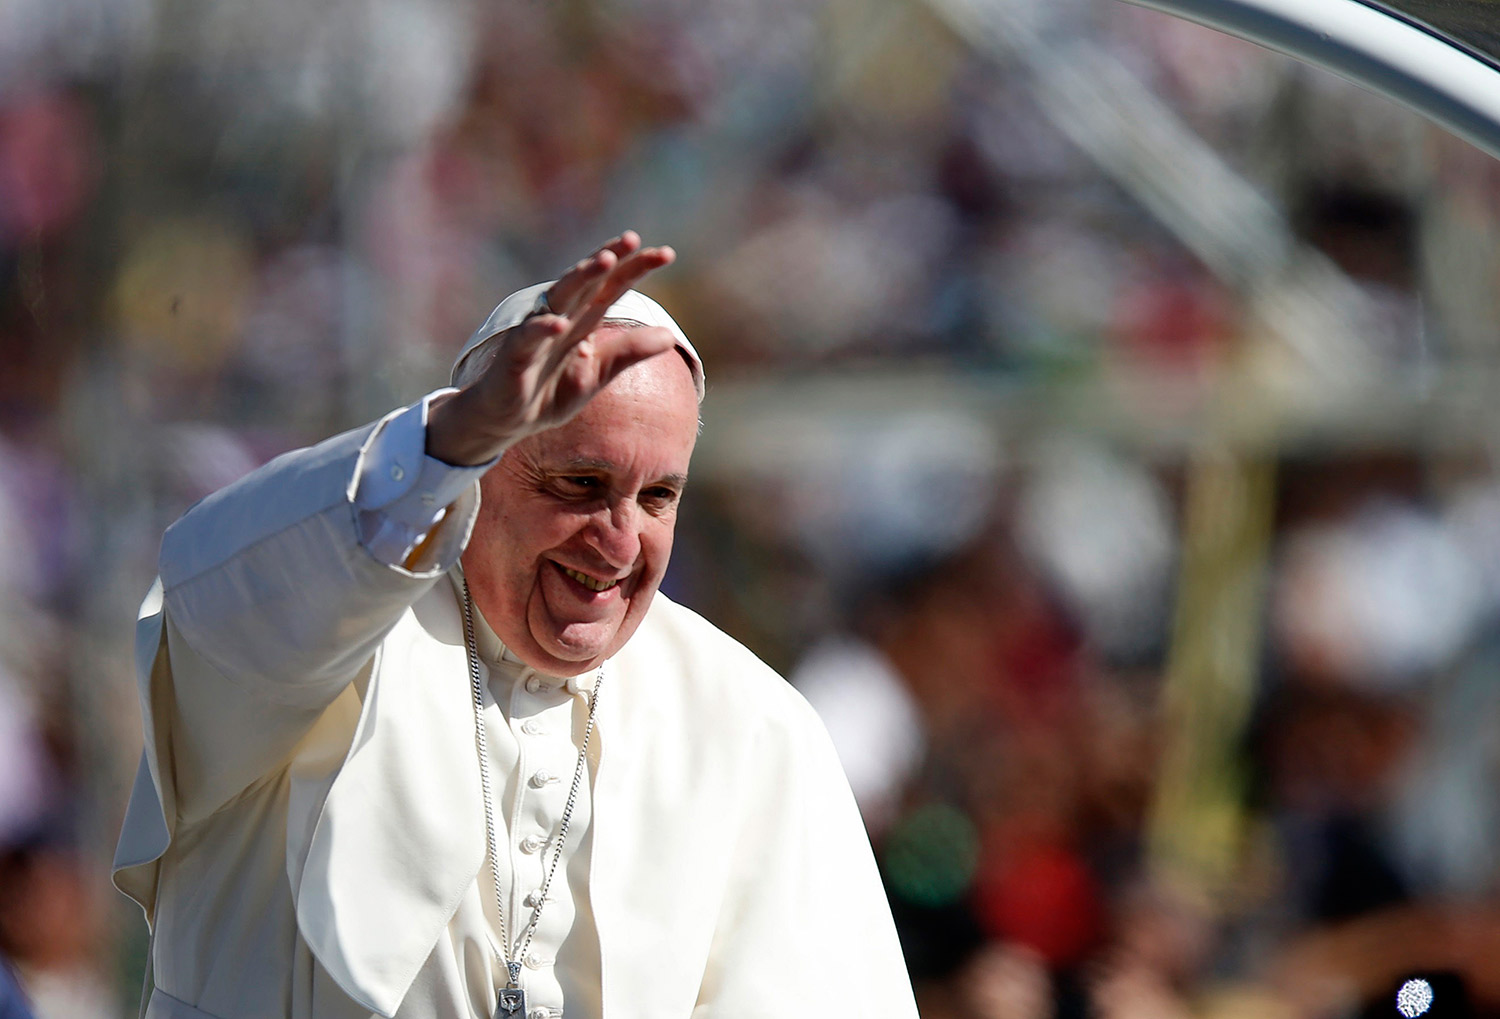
point(422, 738)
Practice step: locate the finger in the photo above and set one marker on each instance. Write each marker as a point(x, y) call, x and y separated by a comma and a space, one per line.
point(533, 333)
point(613, 286)
point(575, 287)
point(617, 350)
point(594, 363)
point(604, 293)
point(522, 347)
point(621, 247)
point(625, 244)
point(572, 289)
point(632, 269)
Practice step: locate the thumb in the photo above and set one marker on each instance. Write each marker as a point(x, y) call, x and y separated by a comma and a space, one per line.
point(617, 350)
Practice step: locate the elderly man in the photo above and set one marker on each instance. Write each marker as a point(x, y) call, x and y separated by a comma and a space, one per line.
point(422, 739)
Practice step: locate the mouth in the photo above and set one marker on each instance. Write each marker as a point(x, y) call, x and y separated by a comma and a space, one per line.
point(592, 583)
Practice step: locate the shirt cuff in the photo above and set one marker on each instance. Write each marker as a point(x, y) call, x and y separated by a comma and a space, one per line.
point(401, 495)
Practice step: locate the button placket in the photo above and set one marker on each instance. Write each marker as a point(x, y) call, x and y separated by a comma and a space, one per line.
point(542, 726)
point(506, 765)
point(539, 740)
point(550, 753)
point(541, 793)
point(524, 868)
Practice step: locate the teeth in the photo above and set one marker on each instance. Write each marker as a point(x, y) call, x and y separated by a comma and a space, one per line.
point(589, 582)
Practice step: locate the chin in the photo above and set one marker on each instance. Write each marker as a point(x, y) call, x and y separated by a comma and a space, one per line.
point(583, 652)
point(570, 657)
point(581, 659)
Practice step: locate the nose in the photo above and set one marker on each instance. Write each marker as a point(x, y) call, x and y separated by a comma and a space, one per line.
point(615, 533)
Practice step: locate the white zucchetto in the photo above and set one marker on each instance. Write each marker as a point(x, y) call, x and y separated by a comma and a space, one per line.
point(632, 305)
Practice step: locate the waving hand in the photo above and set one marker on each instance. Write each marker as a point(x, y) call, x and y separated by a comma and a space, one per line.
point(542, 371)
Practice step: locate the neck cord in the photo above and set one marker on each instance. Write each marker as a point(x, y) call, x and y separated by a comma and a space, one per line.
point(513, 961)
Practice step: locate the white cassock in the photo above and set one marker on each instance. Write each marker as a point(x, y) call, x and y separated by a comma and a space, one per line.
point(306, 830)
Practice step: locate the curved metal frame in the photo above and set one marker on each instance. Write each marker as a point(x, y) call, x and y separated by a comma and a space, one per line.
point(1395, 58)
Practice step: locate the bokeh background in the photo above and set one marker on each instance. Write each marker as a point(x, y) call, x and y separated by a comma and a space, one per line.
point(1101, 433)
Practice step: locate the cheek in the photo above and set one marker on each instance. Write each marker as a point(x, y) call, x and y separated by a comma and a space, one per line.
point(522, 529)
point(509, 545)
point(656, 544)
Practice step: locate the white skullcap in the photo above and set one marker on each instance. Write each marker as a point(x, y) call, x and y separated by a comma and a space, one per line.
point(633, 305)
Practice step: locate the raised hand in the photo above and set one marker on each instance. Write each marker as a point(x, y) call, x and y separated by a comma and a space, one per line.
point(540, 373)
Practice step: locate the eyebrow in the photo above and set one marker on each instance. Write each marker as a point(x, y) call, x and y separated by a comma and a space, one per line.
point(589, 464)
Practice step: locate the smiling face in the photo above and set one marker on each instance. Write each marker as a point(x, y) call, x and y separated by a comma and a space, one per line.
point(575, 526)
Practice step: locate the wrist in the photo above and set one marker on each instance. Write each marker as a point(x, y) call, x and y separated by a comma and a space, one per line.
point(460, 433)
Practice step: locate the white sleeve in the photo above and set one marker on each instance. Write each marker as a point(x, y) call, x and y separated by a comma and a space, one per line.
point(271, 606)
point(401, 494)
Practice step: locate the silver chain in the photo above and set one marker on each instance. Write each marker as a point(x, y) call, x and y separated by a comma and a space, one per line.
point(513, 962)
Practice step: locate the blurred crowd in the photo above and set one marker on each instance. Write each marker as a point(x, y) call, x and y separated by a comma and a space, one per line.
point(1155, 628)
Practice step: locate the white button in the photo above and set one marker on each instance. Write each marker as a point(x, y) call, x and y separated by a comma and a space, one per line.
point(534, 684)
point(532, 727)
point(397, 472)
point(539, 1013)
point(534, 899)
point(533, 842)
point(534, 961)
point(543, 777)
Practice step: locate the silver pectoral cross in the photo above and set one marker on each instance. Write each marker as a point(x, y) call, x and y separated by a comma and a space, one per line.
point(511, 1003)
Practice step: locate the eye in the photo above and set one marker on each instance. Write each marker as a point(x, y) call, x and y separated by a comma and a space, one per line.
point(578, 484)
point(660, 495)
